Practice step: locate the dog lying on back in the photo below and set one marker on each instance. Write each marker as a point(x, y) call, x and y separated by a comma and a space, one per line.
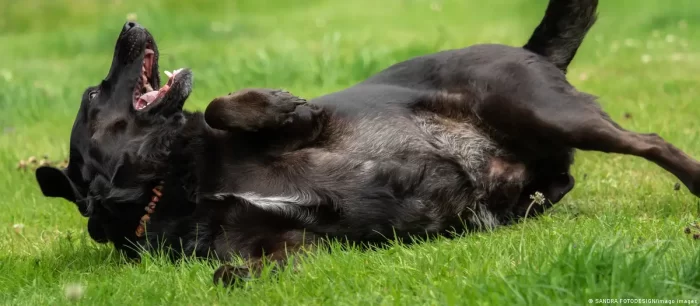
point(438, 144)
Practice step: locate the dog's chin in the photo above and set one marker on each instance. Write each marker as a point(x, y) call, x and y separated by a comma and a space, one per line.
point(170, 97)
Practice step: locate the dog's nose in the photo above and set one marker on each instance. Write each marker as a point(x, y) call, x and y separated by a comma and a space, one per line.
point(130, 25)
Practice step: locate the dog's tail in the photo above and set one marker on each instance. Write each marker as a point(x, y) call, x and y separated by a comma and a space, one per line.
point(561, 31)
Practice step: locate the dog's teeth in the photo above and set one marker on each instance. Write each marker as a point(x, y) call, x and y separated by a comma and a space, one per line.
point(168, 73)
point(148, 87)
point(177, 71)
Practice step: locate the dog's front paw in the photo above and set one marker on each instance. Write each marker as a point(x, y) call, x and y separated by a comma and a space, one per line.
point(228, 275)
point(281, 105)
point(252, 109)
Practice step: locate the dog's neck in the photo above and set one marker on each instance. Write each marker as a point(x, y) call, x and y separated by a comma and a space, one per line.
point(175, 193)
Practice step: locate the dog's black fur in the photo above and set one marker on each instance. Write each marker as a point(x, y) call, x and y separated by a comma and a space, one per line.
point(450, 141)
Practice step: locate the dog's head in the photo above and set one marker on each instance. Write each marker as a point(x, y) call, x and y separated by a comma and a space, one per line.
point(114, 120)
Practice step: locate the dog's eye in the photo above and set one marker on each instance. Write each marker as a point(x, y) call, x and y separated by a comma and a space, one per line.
point(92, 94)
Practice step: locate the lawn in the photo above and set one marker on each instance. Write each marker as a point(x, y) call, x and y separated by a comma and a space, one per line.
point(619, 234)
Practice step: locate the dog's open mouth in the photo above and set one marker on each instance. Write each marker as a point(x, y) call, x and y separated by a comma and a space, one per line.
point(144, 92)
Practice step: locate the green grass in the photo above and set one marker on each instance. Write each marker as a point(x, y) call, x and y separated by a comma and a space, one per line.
point(619, 234)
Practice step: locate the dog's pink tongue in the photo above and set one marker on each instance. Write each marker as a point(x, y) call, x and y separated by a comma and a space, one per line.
point(148, 98)
point(151, 96)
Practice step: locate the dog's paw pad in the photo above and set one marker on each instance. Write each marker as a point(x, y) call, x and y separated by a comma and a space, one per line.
point(285, 96)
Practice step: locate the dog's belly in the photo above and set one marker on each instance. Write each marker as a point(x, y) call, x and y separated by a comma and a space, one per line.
point(426, 174)
point(403, 174)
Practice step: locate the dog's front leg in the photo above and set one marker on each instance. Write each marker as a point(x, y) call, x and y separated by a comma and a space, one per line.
point(253, 110)
point(276, 250)
point(230, 275)
point(281, 120)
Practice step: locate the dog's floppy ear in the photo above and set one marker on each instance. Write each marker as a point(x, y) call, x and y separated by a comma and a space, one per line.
point(55, 183)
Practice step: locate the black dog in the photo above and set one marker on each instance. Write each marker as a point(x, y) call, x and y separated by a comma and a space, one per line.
point(455, 140)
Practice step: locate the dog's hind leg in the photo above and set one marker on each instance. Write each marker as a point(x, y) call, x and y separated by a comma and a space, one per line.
point(550, 117)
